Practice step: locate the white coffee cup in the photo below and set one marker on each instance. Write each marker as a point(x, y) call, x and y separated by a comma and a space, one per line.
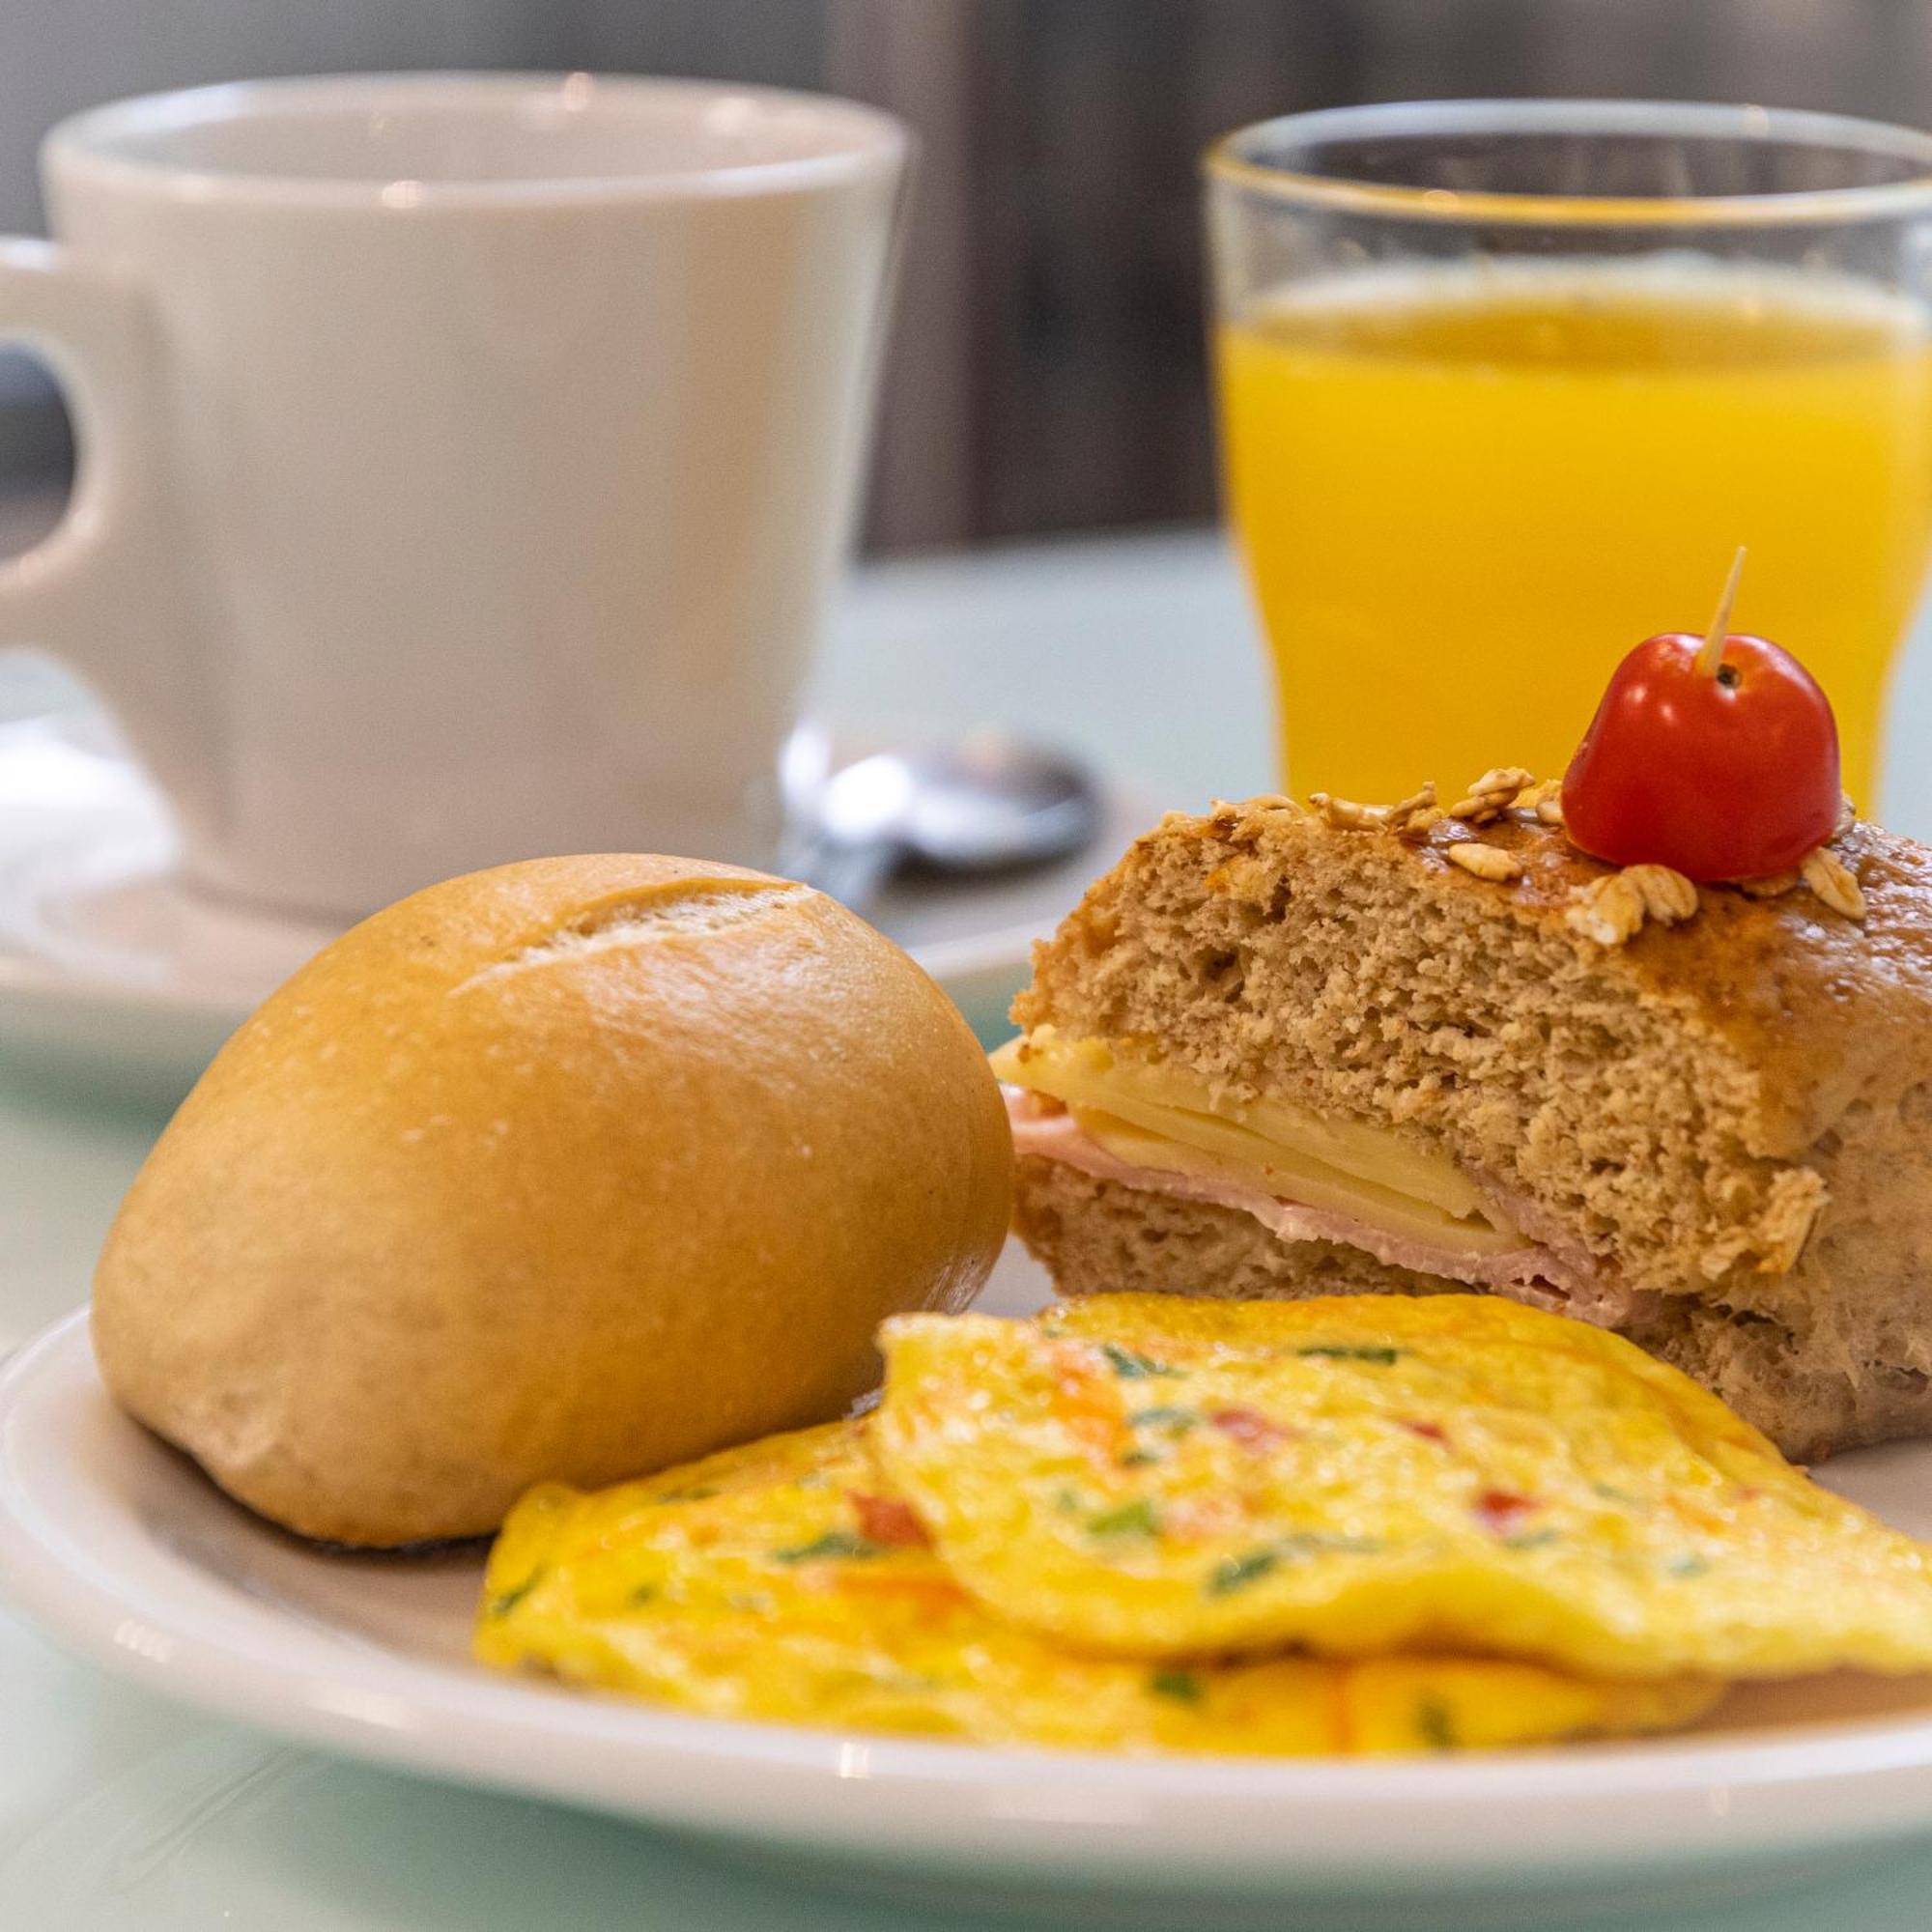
point(465, 459)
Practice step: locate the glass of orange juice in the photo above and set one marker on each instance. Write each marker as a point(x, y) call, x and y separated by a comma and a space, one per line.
point(1503, 385)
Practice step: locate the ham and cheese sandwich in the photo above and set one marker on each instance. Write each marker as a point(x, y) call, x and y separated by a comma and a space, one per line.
point(1282, 1051)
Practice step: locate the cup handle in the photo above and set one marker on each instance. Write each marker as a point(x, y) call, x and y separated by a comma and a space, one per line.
point(95, 331)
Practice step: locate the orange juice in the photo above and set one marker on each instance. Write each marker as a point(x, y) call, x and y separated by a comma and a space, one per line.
point(1464, 493)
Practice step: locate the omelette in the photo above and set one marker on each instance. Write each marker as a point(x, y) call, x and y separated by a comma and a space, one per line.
point(1149, 1476)
point(785, 1582)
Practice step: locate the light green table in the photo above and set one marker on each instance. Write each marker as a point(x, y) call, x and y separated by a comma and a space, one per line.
point(119, 1814)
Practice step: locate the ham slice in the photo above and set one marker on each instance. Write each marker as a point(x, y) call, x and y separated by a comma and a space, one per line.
point(1530, 1274)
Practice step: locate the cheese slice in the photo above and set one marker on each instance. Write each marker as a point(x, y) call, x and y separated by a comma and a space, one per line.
point(1148, 1112)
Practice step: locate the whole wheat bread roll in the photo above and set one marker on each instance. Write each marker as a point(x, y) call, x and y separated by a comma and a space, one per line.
point(1715, 1136)
point(571, 1169)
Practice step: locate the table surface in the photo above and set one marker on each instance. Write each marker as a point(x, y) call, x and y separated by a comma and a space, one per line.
point(1139, 652)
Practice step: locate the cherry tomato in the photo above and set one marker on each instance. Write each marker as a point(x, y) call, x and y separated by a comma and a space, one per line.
point(1722, 773)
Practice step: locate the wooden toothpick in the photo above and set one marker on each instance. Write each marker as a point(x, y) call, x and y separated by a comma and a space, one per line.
point(1712, 652)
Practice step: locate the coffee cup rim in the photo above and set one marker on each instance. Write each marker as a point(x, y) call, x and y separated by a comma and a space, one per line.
point(100, 142)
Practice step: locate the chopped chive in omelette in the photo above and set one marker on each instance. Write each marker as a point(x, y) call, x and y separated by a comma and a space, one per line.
point(1433, 1724)
point(1166, 1415)
point(1236, 1572)
point(1338, 1352)
point(1185, 1686)
point(1131, 1365)
point(835, 1543)
point(501, 1605)
point(1134, 1519)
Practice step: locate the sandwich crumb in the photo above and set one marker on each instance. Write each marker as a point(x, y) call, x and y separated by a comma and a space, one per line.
point(1243, 877)
point(1796, 1196)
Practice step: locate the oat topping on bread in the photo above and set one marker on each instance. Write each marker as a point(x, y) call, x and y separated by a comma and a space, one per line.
point(1717, 1127)
point(1609, 909)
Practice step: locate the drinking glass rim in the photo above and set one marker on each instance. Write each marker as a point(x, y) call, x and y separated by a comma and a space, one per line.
point(1230, 160)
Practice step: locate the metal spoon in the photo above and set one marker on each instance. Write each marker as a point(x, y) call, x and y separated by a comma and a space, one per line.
point(987, 804)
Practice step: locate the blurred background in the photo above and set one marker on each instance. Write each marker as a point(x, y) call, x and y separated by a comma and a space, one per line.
point(1048, 371)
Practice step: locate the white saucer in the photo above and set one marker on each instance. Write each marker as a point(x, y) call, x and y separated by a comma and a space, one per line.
point(110, 970)
point(124, 1553)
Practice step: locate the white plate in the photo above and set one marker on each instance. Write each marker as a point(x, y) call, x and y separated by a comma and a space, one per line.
point(108, 969)
point(128, 1556)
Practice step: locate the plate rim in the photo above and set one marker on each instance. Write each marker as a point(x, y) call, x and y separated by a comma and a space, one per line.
point(1700, 1800)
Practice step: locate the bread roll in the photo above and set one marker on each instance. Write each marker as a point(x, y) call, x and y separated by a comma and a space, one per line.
point(1712, 1133)
point(571, 1169)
